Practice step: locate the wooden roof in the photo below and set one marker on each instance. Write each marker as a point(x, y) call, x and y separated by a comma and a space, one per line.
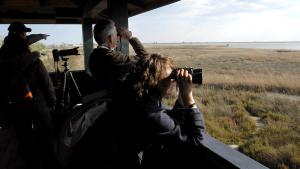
point(67, 11)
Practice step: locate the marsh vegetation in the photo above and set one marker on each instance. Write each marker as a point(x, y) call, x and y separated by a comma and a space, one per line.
point(250, 97)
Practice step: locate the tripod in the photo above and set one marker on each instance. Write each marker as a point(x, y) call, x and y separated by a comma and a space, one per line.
point(66, 85)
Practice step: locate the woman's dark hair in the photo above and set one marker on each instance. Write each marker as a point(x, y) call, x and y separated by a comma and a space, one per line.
point(148, 73)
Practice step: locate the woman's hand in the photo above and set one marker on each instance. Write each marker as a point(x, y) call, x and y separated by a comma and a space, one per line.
point(184, 81)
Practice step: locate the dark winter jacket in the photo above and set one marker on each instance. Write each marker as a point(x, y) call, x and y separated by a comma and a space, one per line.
point(159, 132)
point(154, 123)
point(131, 127)
point(170, 137)
point(38, 78)
point(99, 147)
point(30, 117)
point(110, 67)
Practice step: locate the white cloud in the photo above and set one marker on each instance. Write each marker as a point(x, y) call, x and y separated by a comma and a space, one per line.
point(221, 20)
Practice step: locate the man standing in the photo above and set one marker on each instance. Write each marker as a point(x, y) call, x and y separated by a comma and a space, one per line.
point(108, 66)
point(29, 96)
point(98, 148)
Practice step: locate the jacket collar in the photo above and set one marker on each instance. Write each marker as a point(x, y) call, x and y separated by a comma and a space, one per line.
point(103, 47)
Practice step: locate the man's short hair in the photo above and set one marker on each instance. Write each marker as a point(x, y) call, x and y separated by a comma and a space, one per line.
point(103, 29)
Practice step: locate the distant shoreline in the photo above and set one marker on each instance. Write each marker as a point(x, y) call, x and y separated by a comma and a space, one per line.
point(288, 45)
point(222, 42)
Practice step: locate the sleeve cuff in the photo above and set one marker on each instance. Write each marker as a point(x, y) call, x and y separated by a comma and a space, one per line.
point(191, 106)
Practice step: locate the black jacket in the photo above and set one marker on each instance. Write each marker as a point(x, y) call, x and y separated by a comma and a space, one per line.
point(131, 127)
point(110, 67)
point(159, 132)
point(38, 78)
point(155, 123)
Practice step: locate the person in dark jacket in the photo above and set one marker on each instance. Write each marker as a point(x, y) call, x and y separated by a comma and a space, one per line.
point(167, 137)
point(98, 148)
point(108, 66)
point(29, 114)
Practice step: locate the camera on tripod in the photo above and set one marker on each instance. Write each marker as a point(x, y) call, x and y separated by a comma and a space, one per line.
point(196, 74)
point(57, 54)
point(65, 81)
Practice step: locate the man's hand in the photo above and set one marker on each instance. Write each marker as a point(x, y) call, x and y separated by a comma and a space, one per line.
point(44, 36)
point(124, 33)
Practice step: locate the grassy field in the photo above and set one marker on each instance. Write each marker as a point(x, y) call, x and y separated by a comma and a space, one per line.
point(272, 70)
point(76, 62)
point(250, 97)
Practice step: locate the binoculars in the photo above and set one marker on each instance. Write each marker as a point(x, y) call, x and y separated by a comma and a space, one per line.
point(196, 74)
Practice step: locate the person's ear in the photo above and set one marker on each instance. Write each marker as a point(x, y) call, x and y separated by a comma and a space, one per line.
point(110, 39)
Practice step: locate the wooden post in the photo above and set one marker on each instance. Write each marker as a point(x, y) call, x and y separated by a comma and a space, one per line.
point(118, 12)
point(87, 33)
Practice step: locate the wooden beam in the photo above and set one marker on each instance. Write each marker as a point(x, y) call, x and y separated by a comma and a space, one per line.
point(51, 14)
point(87, 32)
point(62, 4)
point(152, 5)
point(43, 2)
point(137, 3)
point(133, 6)
point(118, 12)
point(68, 13)
point(68, 21)
point(1, 2)
point(27, 21)
point(37, 17)
point(94, 7)
point(17, 14)
point(41, 21)
point(22, 3)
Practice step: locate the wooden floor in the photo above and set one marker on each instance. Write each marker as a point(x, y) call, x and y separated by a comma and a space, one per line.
point(9, 157)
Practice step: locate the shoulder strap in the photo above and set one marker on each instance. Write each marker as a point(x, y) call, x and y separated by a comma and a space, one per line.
point(81, 119)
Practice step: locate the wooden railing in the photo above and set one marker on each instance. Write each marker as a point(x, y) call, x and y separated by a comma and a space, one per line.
point(219, 155)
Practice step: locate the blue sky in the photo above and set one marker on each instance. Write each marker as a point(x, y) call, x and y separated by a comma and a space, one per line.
point(201, 21)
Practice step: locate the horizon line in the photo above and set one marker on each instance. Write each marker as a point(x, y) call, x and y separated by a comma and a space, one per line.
point(226, 42)
point(187, 42)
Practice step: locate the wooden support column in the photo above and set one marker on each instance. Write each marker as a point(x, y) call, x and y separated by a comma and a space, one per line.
point(118, 12)
point(43, 2)
point(87, 32)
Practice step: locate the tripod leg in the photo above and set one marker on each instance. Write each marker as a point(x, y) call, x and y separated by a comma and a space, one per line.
point(75, 84)
point(62, 103)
